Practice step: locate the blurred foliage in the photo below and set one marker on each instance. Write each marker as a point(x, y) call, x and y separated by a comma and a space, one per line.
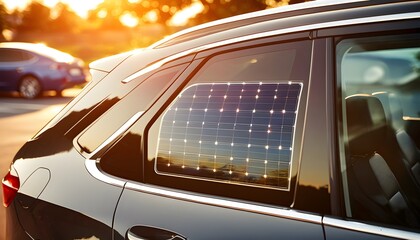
point(39, 18)
point(3, 22)
point(102, 33)
point(218, 9)
point(35, 17)
point(65, 20)
point(166, 9)
point(107, 15)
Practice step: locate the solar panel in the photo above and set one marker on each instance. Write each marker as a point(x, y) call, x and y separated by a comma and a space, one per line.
point(240, 133)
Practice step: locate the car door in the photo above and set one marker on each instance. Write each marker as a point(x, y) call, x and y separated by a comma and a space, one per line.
point(378, 90)
point(221, 150)
point(10, 62)
point(68, 195)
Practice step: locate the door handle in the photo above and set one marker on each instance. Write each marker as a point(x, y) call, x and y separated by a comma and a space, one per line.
point(152, 233)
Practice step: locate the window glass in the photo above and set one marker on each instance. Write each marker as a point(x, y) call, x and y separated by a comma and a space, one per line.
point(237, 132)
point(380, 98)
point(26, 56)
point(393, 70)
point(137, 101)
point(7, 55)
point(266, 66)
point(235, 125)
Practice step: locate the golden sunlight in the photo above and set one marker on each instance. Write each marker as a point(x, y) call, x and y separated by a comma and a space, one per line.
point(181, 17)
point(80, 7)
point(129, 19)
point(15, 4)
point(151, 16)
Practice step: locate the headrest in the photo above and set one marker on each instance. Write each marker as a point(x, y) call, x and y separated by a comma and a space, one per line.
point(366, 124)
point(392, 108)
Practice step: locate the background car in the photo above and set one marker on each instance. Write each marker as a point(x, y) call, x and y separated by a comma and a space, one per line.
point(244, 128)
point(32, 68)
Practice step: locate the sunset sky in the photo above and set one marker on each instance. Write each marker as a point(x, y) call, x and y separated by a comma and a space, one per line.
point(82, 7)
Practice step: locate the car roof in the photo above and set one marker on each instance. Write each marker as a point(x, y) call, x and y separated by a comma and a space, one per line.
point(265, 15)
point(302, 17)
point(39, 49)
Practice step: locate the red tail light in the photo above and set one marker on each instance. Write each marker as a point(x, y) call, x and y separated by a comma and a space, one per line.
point(11, 186)
point(58, 66)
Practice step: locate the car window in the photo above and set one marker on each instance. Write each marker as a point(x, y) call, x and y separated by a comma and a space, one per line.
point(132, 105)
point(234, 124)
point(231, 131)
point(10, 55)
point(379, 81)
point(124, 158)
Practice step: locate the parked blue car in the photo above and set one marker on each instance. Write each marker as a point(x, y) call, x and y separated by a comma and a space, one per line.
point(32, 68)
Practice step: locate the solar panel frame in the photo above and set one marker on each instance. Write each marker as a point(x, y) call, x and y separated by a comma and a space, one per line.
point(213, 110)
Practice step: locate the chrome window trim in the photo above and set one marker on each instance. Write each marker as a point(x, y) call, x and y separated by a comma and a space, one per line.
point(316, 26)
point(236, 205)
point(117, 133)
point(409, 118)
point(283, 9)
point(92, 168)
point(371, 229)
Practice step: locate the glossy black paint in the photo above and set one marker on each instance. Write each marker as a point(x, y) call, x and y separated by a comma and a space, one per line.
point(146, 232)
point(44, 220)
point(313, 190)
point(93, 207)
point(47, 214)
point(203, 221)
point(14, 229)
point(337, 233)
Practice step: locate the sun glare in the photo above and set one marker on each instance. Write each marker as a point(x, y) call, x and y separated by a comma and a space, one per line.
point(15, 4)
point(181, 17)
point(129, 19)
point(80, 7)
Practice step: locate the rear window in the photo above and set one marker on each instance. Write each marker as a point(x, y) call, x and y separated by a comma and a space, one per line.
point(11, 55)
point(125, 111)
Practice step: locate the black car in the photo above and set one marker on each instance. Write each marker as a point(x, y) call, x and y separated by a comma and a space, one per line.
point(301, 122)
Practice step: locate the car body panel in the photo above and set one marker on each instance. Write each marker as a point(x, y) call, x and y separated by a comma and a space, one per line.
point(205, 221)
point(337, 228)
point(91, 211)
point(110, 190)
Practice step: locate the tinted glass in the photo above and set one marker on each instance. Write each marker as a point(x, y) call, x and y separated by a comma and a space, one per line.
point(237, 132)
point(136, 101)
point(380, 89)
point(10, 55)
point(234, 129)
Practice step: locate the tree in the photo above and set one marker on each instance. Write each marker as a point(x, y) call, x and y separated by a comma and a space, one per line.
point(218, 9)
point(166, 9)
point(3, 22)
point(66, 20)
point(109, 12)
point(36, 17)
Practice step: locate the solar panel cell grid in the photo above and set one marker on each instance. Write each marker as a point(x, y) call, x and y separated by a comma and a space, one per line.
point(242, 133)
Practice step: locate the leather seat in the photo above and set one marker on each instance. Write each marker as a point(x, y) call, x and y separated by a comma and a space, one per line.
point(375, 193)
point(409, 152)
